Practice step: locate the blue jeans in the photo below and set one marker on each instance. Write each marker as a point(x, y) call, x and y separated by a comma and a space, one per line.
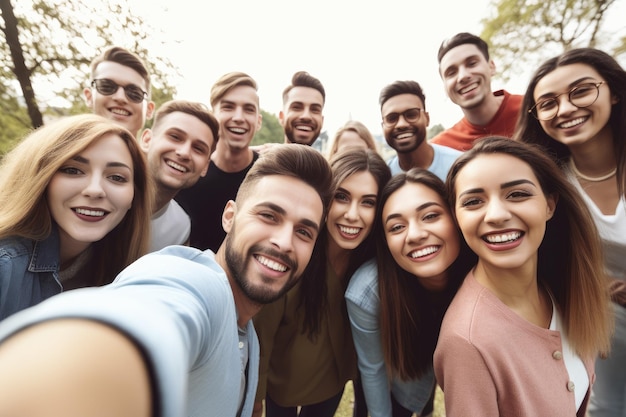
point(325, 408)
point(608, 397)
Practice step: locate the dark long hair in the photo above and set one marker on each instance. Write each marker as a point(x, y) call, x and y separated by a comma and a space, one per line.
point(529, 129)
point(410, 314)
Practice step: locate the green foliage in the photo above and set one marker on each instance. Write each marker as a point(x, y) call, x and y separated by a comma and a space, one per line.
point(434, 131)
point(56, 41)
point(526, 32)
point(271, 131)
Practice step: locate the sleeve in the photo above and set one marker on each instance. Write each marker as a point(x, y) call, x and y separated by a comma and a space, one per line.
point(364, 322)
point(464, 377)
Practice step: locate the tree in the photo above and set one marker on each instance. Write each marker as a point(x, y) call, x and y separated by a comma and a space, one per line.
point(526, 32)
point(48, 45)
point(434, 130)
point(271, 130)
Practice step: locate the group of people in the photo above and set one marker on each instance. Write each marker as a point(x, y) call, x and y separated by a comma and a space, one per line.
point(211, 277)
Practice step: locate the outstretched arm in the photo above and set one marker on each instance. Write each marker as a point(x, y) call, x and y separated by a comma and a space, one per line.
point(73, 368)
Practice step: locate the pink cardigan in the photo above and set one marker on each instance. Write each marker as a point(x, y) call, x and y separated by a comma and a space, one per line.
point(491, 362)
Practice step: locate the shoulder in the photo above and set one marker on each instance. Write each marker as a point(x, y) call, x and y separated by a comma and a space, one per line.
point(446, 151)
point(16, 246)
point(364, 282)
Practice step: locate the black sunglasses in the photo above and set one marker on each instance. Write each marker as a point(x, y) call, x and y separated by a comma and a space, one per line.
point(108, 87)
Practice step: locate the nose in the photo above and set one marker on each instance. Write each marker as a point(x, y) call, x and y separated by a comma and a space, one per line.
point(120, 94)
point(496, 212)
point(183, 150)
point(282, 238)
point(464, 73)
point(94, 188)
point(352, 213)
point(415, 232)
point(565, 106)
point(238, 113)
point(402, 121)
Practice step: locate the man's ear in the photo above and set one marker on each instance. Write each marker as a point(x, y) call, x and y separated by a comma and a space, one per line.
point(144, 142)
point(150, 110)
point(88, 96)
point(228, 216)
point(281, 118)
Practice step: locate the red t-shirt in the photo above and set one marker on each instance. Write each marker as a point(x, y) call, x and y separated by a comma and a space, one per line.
point(462, 135)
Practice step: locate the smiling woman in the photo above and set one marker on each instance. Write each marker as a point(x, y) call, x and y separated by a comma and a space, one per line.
point(74, 210)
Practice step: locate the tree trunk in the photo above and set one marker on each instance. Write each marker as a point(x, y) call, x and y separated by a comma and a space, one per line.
point(19, 64)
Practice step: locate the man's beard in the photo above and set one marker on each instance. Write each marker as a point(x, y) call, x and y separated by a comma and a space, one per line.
point(238, 265)
point(291, 136)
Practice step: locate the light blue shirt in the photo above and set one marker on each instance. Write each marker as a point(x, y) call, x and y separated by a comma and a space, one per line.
point(363, 303)
point(178, 306)
point(443, 159)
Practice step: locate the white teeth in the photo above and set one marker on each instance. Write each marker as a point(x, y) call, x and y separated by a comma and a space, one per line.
point(238, 130)
point(306, 128)
point(271, 264)
point(505, 237)
point(121, 112)
point(404, 135)
point(424, 252)
point(176, 166)
point(573, 123)
point(93, 213)
point(468, 88)
point(349, 230)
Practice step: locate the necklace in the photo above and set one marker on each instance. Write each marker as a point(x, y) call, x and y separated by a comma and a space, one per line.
point(587, 178)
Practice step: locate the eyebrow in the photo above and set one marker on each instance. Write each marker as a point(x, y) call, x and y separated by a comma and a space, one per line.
point(341, 189)
point(83, 160)
point(570, 86)
point(502, 186)
point(278, 209)
point(417, 209)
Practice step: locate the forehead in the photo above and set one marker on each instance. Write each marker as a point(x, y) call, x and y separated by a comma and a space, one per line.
point(457, 55)
point(401, 102)
point(305, 95)
point(241, 94)
point(108, 148)
point(119, 73)
point(492, 170)
point(279, 190)
point(187, 123)
point(564, 77)
point(410, 196)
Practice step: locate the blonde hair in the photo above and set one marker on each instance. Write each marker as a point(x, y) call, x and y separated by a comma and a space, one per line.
point(26, 171)
point(358, 128)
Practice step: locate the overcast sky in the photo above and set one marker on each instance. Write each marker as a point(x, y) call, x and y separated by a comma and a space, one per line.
point(354, 47)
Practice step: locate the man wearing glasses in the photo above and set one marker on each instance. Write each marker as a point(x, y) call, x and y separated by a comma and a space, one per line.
point(466, 71)
point(404, 122)
point(119, 89)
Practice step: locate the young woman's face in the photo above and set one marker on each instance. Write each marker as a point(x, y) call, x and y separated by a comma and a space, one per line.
point(421, 234)
point(91, 192)
point(572, 125)
point(502, 210)
point(352, 210)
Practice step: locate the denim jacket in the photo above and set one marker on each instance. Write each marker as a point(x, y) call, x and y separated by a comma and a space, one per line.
point(363, 303)
point(29, 272)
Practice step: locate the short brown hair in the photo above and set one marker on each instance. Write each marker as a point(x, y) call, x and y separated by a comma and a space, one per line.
point(123, 57)
point(229, 81)
point(304, 79)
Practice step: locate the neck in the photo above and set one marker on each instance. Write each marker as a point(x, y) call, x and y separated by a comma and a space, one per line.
point(69, 250)
point(337, 257)
point(231, 160)
point(594, 159)
point(421, 157)
point(163, 196)
point(484, 113)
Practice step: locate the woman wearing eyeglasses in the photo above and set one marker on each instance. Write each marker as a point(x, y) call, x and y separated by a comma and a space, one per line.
point(574, 107)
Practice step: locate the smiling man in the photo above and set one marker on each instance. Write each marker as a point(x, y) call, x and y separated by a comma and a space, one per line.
point(119, 89)
point(178, 148)
point(172, 336)
point(466, 71)
point(303, 104)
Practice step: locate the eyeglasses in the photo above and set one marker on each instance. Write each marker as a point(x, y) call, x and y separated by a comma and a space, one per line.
point(410, 115)
point(581, 96)
point(109, 87)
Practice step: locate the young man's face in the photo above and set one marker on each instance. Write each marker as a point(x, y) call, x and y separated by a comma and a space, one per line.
point(271, 235)
point(118, 107)
point(466, 75)
point(301, 117)
point(178, 150)
point(405, 135)
point(239, 116)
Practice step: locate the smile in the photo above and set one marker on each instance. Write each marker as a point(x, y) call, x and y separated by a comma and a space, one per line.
point(273, 265)
point(176, 166)
point(572, 123)
point(469, 88)
point(503, 238)
point(424, 252)
point(90, 213)
point(120, 112)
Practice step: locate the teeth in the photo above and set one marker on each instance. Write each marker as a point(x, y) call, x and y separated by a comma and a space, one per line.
point(121, 112)
point(93, 213)
point(505, 237)
point(306, 128)
point(238, 130)
point(424, 252)
point(404, 135)
point(468, 88)
point(573, 123)
point(271, 264)
point(176, 166)
point(349, 230)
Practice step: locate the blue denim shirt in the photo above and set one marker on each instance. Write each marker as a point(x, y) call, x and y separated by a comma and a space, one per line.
point(363, 302)
point(29, 272)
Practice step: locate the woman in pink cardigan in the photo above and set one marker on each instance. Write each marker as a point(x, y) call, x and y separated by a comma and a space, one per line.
point(522, 333)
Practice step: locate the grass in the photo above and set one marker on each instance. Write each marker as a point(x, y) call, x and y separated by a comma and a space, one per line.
point(346, 404)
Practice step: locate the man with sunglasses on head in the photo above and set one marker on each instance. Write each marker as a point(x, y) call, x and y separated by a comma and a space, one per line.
point(404, 123)
point(119, 89)
point(466, 71)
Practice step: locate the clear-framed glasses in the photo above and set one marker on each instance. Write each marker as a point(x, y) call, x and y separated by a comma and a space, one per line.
point(410, 115)
point(108, 87)
point(583, 95)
